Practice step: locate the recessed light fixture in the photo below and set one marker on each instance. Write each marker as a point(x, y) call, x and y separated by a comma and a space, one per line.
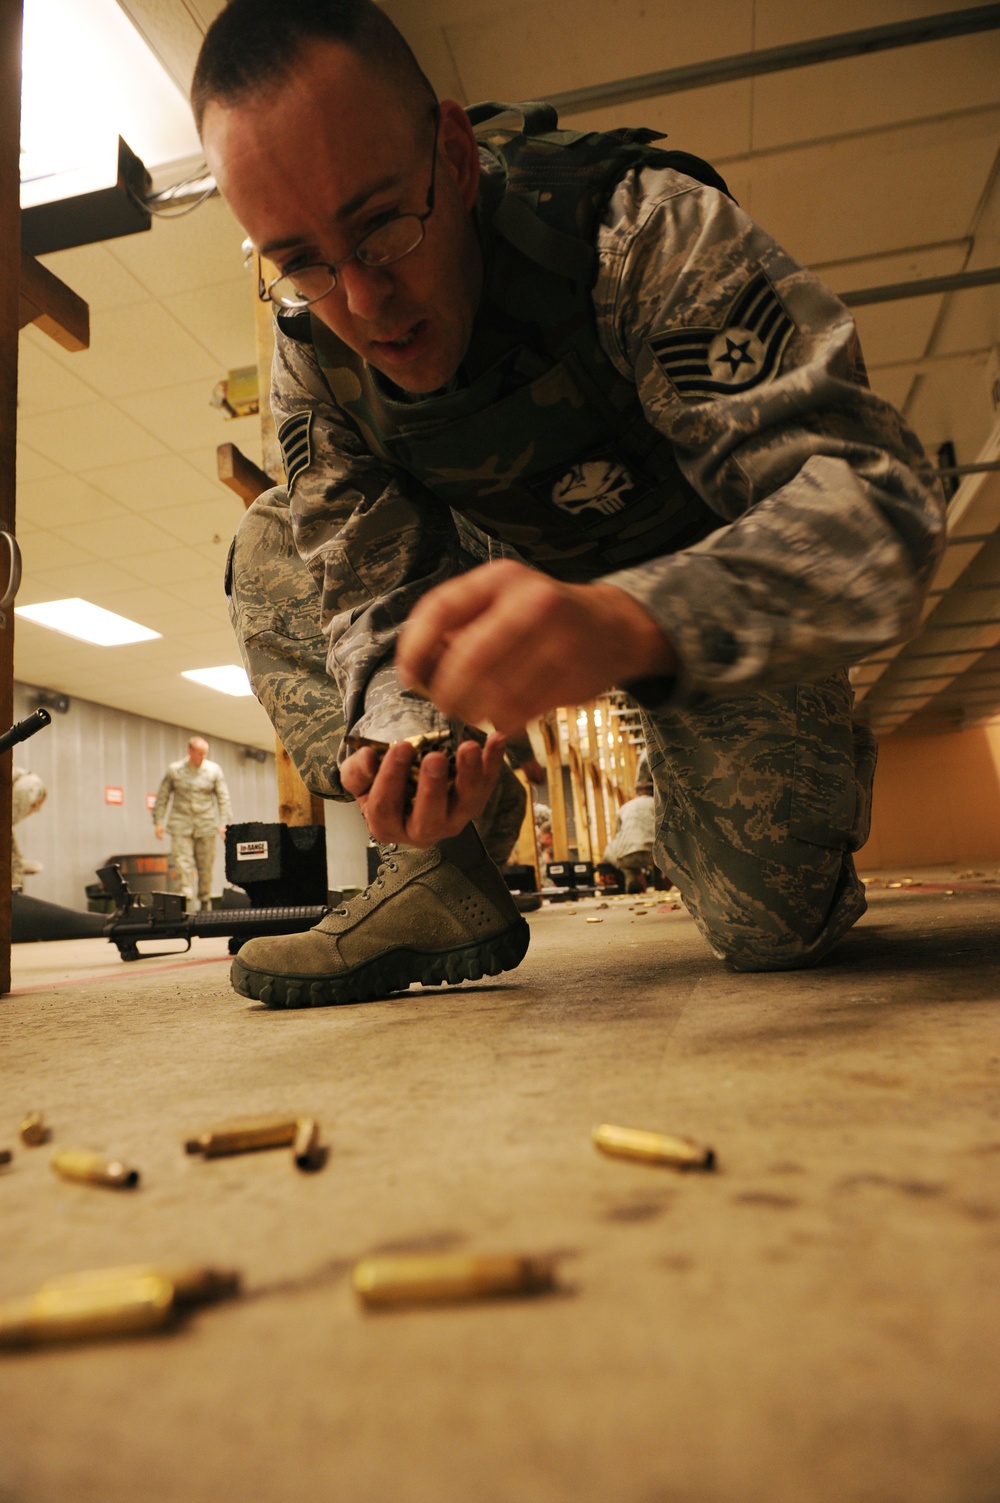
point(89, 623)
point(89, 77)
point(227, 680)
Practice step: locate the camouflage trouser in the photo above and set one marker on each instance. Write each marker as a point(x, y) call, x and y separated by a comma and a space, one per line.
point(274, 609)
point(188, 853)
point(760, 800)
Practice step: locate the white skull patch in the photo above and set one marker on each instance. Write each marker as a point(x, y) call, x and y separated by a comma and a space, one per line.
point(595, 485)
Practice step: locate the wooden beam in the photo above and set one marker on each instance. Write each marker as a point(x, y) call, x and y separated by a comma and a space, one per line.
point(526, 849)
point(549, 727)
point(296, 805)
point(56, 309)
point(240, 474)
point(264, 339)
point(10, 256)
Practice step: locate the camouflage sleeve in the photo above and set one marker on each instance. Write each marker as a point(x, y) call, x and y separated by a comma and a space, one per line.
point(163, 798)
point(224, 801)
point(373, 539)
point(830, 517)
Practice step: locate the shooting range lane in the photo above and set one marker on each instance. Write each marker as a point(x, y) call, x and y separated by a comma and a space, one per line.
point(818, 1319)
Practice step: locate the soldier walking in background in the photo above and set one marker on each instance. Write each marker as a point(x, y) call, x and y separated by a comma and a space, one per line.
point(200, 809)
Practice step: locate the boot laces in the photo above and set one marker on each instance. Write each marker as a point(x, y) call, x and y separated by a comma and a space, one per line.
point(386, 863)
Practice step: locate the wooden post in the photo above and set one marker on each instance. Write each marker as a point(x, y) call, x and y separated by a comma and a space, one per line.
point(578, 783)
point(296, 805)
point(526, 850)
point(600, 835)
point(549, 727)
point(10, 259)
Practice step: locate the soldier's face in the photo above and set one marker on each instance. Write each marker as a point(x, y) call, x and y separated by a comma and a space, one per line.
point(314, 165)
point(196, 755)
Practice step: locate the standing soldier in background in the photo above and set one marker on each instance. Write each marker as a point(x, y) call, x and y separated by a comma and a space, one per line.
point(28, 794)
point(200, 809)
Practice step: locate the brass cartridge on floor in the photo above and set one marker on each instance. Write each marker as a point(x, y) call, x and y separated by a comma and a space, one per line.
point(34, 1130)
point(244, 1137)
point(94, 1169)
point(5, 1155)
point(197, 1284)
point(438, 1278)
point(307, 1150)
point(653, 1147)
point(67, 1312)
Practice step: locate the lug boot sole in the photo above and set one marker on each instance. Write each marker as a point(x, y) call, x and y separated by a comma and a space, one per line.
point(392, 971)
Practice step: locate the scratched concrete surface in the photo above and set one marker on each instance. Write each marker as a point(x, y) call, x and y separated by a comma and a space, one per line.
point(818, 1322)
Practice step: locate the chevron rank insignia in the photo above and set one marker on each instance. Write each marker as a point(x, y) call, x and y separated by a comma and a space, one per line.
point(741, 352)
point(295, 438)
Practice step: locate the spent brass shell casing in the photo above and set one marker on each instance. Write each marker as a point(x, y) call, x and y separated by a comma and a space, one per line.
point(198, 1284)
point(439, 1278)
point(67, 1312)
point(34, 1130)
point(306, 1150)
point(94, 1169)
point(5, 1155)
point(244, 1137)
point(653, 1147)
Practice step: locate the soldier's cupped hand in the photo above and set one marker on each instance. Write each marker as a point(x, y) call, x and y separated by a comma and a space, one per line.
point(440, 807)
point(504, 643)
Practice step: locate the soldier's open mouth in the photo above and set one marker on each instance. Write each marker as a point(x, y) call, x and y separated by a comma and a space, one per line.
point(404, 343)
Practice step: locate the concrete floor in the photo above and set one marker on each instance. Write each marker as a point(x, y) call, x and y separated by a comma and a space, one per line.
point(818, 1322)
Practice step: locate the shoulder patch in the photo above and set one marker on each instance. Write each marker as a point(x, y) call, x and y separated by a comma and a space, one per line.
point(741, 352)
point(295, 438)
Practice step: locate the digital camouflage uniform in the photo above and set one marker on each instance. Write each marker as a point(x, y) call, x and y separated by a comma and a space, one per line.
point(26, 789)
point(199, 806)
point(732, 472)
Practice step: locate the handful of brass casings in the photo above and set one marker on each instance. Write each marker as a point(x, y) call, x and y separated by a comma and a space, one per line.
point(110, 1302)
point(445, 1277)
point(652, 1147)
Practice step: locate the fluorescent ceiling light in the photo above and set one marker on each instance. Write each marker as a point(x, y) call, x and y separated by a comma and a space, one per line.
point(88, 78)
point(90, 623)
point(227, 680)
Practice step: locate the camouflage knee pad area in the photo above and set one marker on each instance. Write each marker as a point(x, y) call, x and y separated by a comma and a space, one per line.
point(760, 802)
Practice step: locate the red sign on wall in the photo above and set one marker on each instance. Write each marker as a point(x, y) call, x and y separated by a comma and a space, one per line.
point(114, 795)
point(150, 800)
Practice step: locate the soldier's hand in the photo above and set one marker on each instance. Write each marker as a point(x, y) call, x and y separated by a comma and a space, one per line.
point(383, 790)
point(158, 831)
point(505, 643)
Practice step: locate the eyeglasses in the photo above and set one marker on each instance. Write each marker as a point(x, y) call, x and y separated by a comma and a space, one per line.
point(387, 242)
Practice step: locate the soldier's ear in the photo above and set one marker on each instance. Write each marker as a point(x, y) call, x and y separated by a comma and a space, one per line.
point(459, 149)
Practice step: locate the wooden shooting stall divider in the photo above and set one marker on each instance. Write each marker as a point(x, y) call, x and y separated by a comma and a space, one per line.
point(33, 296)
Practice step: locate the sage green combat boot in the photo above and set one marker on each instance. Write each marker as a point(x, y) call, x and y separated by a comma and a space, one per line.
point(443, 914)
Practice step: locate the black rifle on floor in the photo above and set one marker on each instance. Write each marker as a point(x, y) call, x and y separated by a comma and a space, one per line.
point(161, 915)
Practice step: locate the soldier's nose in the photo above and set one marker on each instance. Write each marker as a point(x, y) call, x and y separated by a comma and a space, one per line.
point(366, 288)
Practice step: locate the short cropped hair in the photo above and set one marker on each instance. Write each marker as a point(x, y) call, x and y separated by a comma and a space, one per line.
point(254, 45)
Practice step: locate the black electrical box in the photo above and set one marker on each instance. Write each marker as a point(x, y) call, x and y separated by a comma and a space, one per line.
point(277, 865)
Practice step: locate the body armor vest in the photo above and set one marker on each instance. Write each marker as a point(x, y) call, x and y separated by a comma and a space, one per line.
point(542, 444)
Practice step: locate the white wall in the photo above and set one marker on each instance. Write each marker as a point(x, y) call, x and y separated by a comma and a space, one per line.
point(93, 747)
